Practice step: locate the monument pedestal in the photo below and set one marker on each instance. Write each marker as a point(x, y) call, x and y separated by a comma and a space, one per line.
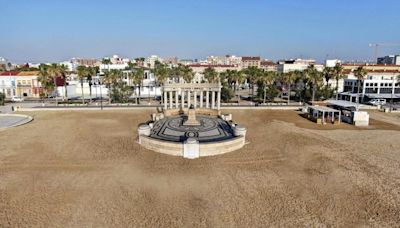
point(191, 120)
point(191, 148)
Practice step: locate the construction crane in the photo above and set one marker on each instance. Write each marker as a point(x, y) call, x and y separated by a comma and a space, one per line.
point(376, 46)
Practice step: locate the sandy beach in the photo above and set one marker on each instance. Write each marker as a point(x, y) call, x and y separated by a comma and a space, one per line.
point(84, 169)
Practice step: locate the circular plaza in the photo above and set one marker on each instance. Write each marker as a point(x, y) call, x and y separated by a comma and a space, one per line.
point(191, 124)
point(13, 120)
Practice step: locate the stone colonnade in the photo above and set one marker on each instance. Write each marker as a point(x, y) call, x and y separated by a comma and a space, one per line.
point(199, 95)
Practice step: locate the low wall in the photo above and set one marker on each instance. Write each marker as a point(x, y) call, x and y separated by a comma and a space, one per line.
point(170, 148)
point(222, 147)
point(206, 149)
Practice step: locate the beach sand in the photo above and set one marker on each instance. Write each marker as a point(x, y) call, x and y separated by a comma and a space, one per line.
point(84, 169)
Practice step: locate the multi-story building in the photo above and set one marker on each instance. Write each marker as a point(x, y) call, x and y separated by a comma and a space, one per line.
point(285, 66)
point(198, 70)
point(376, 84)
point(21, 84)
point(268, 65)
point(389, 60)
point(224, 60)
point(248, 61)
point(150, 61)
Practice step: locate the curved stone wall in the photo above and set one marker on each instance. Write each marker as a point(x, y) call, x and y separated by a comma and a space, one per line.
point(206, 149)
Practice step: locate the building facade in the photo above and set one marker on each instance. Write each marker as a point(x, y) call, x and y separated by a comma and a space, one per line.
point(377, 84)
point(20, 84)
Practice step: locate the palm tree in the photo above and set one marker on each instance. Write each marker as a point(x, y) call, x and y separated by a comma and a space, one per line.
point(337, 75)
point(45, 79)
point(328, 74)
point(82, 72)
point(186, 73)
point(315, 77)
point(138, 76)
point(92, 71)
point(63, 70)
point(211, 75)
point(54, 72)
point(160, 72)
point(252, 74)
point(266, 80)
point(359, 73)
point(106, 61)
point(289, 78)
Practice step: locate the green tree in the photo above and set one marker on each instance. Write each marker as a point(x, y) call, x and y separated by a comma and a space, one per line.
point(211, 75)
point(315, 77)
point(63, 71)
point(137, 77)
point(46, 81)
point(2, 98)
point(337, 75)
point(290, 78)
point(359, 73)
point(265, 83)
point(226, 94)
point(54, 72)
point(82, 72)
point(252, 74)
point(161, 73)
point(187, 73)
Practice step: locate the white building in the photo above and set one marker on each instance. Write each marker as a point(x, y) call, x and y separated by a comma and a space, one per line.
point(150, 61)
point(297, 64)
point(332, 62)
point(376, 84)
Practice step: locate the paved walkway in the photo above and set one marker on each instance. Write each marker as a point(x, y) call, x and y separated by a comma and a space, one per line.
point(13, 120)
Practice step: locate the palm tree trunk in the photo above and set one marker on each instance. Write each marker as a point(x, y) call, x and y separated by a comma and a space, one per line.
point(140, 87)
point(56, 91)
point(337, 89)
point(265, 94)
point(288, 98)
point(90, 92)
point(358, 93)
point(313, 92)
point(65, 89)
point(83, 98)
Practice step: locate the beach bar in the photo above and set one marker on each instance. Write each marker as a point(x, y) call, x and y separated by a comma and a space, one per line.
point(323, 115)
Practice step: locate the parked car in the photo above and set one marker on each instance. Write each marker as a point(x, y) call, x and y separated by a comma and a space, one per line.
point(377, 102)
point(17, 99)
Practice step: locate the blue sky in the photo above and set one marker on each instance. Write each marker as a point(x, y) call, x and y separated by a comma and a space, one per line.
point(44, 30)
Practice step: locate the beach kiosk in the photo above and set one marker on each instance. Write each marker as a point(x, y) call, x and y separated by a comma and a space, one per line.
point(323, 115)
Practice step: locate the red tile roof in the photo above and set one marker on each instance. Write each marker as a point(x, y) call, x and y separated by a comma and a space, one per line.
point(9, 73)
point(267, 63)
point(251, 58)
point(210, 65)
point(348, 71)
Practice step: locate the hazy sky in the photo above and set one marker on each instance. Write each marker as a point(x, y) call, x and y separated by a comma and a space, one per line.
point(44, 30)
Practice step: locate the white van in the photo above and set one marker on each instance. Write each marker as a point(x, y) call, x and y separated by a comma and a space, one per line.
point(376, 102)
point(17, 99)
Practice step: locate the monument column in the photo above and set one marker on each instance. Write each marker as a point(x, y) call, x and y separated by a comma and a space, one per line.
point(213, 99)
point(165, 99)
point(176, 99)
point(207, 99)
point(170, 99)
point(201, 98)
point(218, 100)
point(195, 99)
point(183, 98)
point(188, 98)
